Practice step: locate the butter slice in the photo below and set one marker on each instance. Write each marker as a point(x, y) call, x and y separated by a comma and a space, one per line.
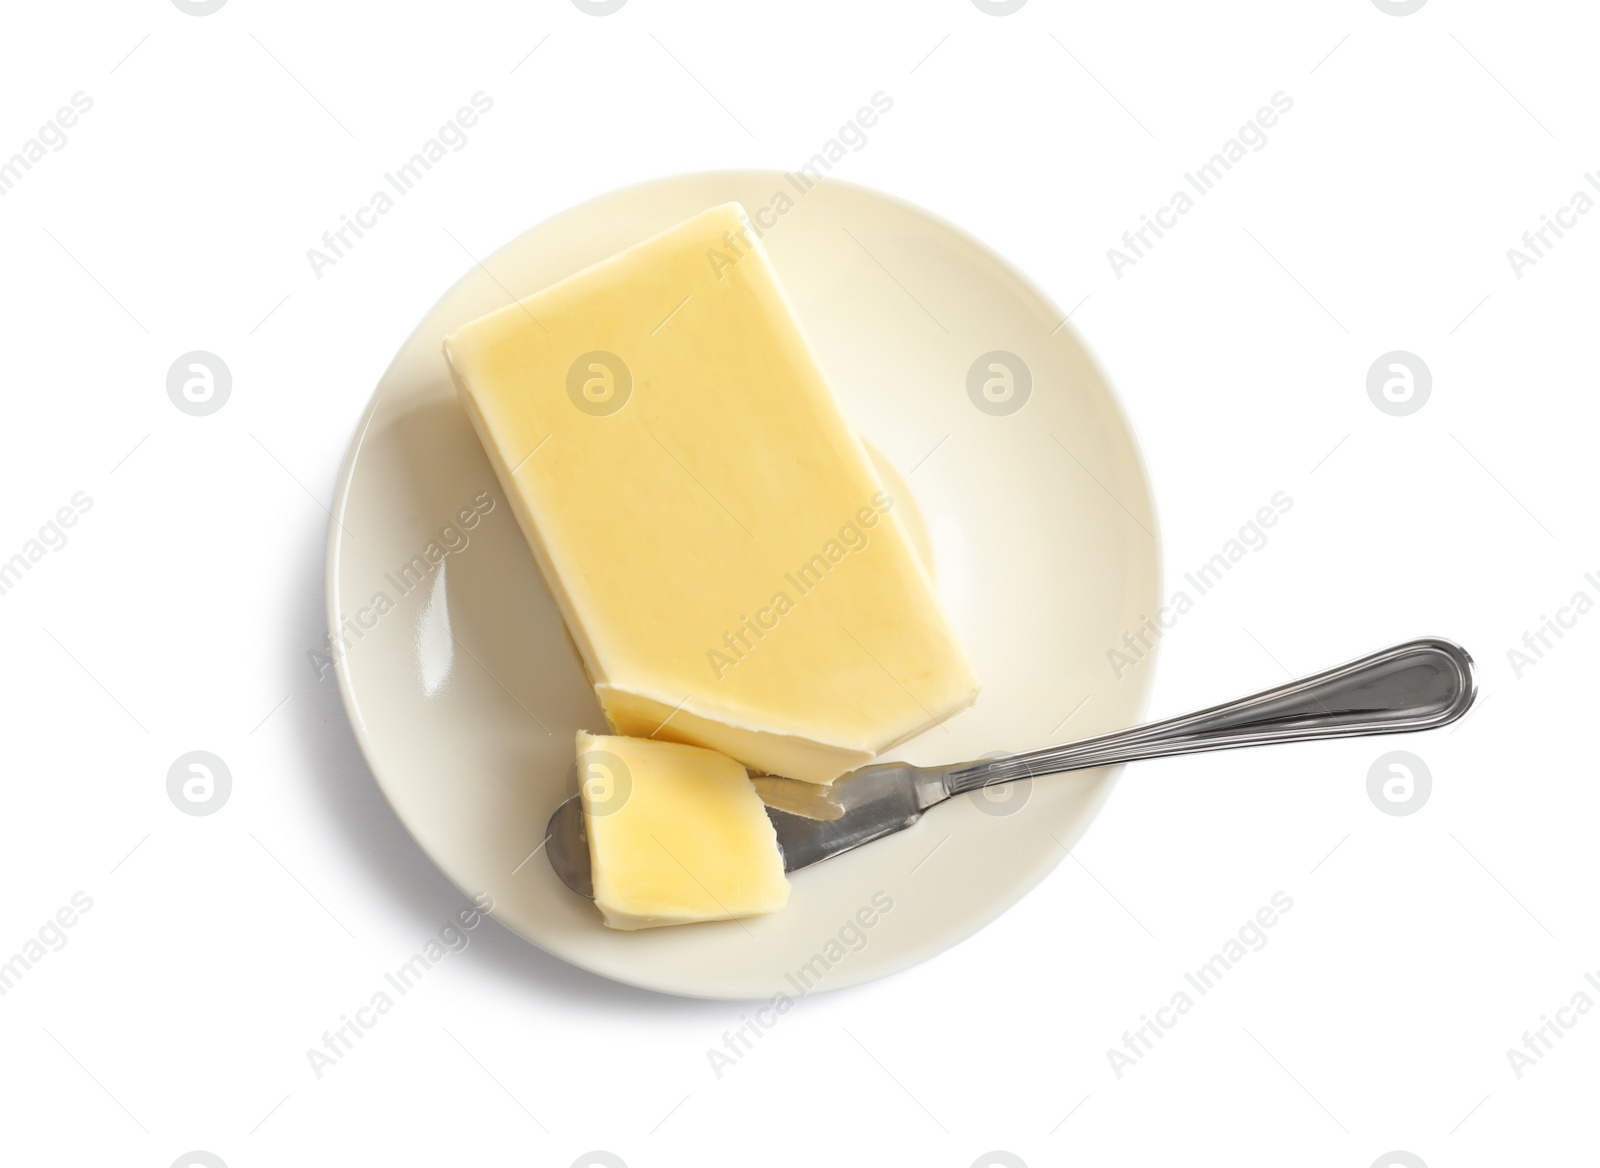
point(724, 554)
point(677, 834)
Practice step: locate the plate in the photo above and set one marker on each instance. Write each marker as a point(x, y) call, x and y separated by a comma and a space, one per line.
point(1030, 495)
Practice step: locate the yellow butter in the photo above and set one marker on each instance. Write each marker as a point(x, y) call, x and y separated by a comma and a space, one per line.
point(723, 552)
point(676, 833)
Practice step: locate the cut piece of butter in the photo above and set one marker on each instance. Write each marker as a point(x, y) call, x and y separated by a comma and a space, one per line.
point(724, 554)
point(677, 834)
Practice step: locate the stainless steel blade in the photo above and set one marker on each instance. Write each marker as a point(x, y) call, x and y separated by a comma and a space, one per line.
point(867, 805)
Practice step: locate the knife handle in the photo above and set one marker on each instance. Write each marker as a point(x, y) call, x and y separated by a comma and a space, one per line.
point(1418, 685)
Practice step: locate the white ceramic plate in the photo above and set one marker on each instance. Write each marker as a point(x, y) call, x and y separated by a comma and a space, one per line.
point(464, 690)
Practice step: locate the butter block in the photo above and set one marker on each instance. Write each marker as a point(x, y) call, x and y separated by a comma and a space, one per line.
point(726, 558)
point(677, 834)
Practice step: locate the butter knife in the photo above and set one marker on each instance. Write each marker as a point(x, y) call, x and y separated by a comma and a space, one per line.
point(1418, 685)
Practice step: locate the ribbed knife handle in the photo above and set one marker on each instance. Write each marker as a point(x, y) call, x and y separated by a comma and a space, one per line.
point(1419, 685)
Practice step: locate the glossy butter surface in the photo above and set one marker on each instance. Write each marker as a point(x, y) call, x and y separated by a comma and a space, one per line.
point(676, 833)
point(724, 554)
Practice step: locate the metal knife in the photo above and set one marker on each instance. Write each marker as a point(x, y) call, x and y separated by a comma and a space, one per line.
point(1418, 685)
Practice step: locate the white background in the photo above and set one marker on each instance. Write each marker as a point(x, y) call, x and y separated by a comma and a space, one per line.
point(178, 616)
